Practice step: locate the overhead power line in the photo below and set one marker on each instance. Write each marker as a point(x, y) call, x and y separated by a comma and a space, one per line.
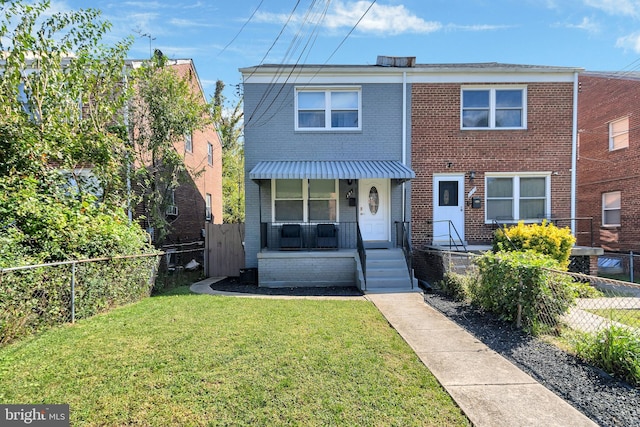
point(241, 28)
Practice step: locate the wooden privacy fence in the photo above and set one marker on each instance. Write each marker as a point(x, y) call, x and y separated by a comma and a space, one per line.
point(224, 250)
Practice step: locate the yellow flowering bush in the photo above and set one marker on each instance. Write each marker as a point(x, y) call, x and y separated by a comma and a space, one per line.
point(544, 238)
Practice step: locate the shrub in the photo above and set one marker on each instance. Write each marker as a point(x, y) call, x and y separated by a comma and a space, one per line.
point(614, 349)
point(518, 286)
point(544, 238)
point(457, 285)
point(35, 299)
point(42, 222)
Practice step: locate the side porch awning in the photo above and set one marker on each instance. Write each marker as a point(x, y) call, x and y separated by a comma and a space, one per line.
point(348, 169)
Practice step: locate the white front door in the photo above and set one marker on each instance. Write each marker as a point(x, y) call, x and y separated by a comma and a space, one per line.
point(448, 209)
point(373, 209)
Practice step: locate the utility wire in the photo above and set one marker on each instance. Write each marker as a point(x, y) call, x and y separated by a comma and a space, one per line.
point(295, 66)
point(241, 28)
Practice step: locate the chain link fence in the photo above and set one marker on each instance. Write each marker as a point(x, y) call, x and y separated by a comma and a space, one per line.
point(37, 297)
point(577, 301)
point(620, 266)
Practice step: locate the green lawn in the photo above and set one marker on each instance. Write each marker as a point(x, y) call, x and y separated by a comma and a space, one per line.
point(626, 316)
point(186, 359)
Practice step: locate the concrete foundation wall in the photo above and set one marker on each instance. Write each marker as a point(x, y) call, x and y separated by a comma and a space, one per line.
point(291, 269)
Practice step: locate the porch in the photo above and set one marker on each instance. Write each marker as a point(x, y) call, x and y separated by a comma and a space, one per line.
point(313, 258)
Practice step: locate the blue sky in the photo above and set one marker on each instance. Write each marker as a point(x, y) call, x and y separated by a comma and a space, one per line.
point(222, 36)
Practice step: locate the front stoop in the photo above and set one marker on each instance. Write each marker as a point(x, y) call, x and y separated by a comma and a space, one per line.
point(387, 271)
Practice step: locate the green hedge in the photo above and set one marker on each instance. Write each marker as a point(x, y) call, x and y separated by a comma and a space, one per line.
point(36, 299)
point(517, 285)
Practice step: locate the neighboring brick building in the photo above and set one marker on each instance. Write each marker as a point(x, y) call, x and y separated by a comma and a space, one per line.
point(497, 142)
point(200, 200)
point(609, 158)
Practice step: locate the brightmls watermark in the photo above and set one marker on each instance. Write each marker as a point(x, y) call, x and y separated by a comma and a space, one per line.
point(34, 415)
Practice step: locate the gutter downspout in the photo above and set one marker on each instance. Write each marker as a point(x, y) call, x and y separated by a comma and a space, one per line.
point(574, 153)
point(404, 140)
point(129, 133)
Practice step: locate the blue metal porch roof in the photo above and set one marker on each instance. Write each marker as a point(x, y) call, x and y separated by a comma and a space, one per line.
point(350, 169)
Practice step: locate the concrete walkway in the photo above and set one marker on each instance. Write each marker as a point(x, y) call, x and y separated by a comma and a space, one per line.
point(489, 389)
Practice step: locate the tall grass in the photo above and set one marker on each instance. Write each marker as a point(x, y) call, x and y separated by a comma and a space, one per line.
point(615, 350)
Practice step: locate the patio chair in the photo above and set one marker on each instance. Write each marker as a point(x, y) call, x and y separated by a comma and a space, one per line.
point(327, 236)
point(290, 236)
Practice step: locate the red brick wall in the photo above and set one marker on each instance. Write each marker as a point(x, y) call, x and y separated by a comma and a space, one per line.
point(437, 140)
point(205, 178)
point(602, 99)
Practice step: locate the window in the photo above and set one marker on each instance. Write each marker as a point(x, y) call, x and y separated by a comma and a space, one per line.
point(210, 153)
point(611, 208)
point(313, 200)
point(172, 208)
point(82, 180)
point(517, 197)
point(22, 97)
point(619, 134)
point(322, 200)
point(188, 143)
point(335, 109)
point(494, 108)
point(207, 213)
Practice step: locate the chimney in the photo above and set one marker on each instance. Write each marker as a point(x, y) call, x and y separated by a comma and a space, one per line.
point(396, 61)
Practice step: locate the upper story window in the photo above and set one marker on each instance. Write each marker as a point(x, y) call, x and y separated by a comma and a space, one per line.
point(328, 109)
point(517, 197)
point(493, 108)
point(619, 134)
point(210, 153)
point(611, 206)
point(188, 143)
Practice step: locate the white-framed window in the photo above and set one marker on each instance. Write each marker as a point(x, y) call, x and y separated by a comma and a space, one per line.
point(172, 207)
point(207, 201)
point(305, 200)
point(328, 109)
point(210, 153)
point(517, 197)
point(188, 143)
point(493, 107)
point(611, 208)
point(83, 180)
point(619, 134)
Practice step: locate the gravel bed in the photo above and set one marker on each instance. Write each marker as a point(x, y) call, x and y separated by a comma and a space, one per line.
point(600, 397)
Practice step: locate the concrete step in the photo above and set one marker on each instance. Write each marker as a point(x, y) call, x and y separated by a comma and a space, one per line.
point(387, 271)
point(388, 282)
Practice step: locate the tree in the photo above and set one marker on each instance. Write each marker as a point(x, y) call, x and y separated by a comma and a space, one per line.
point(229, 125)
point(61, 95)
point(165, 109)
point(61, 101)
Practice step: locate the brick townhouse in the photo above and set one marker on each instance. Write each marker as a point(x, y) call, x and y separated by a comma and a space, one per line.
point(199, 201)
point(445, 151)
point(490, 144)
point(609, 158)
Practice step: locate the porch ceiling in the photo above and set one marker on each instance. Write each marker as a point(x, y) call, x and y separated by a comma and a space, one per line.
point(349, 169)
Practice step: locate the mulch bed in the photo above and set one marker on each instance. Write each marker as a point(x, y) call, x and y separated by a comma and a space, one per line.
point(234, 284)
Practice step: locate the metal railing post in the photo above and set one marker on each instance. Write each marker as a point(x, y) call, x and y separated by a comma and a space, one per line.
point(73, 292)
point(631, 267)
